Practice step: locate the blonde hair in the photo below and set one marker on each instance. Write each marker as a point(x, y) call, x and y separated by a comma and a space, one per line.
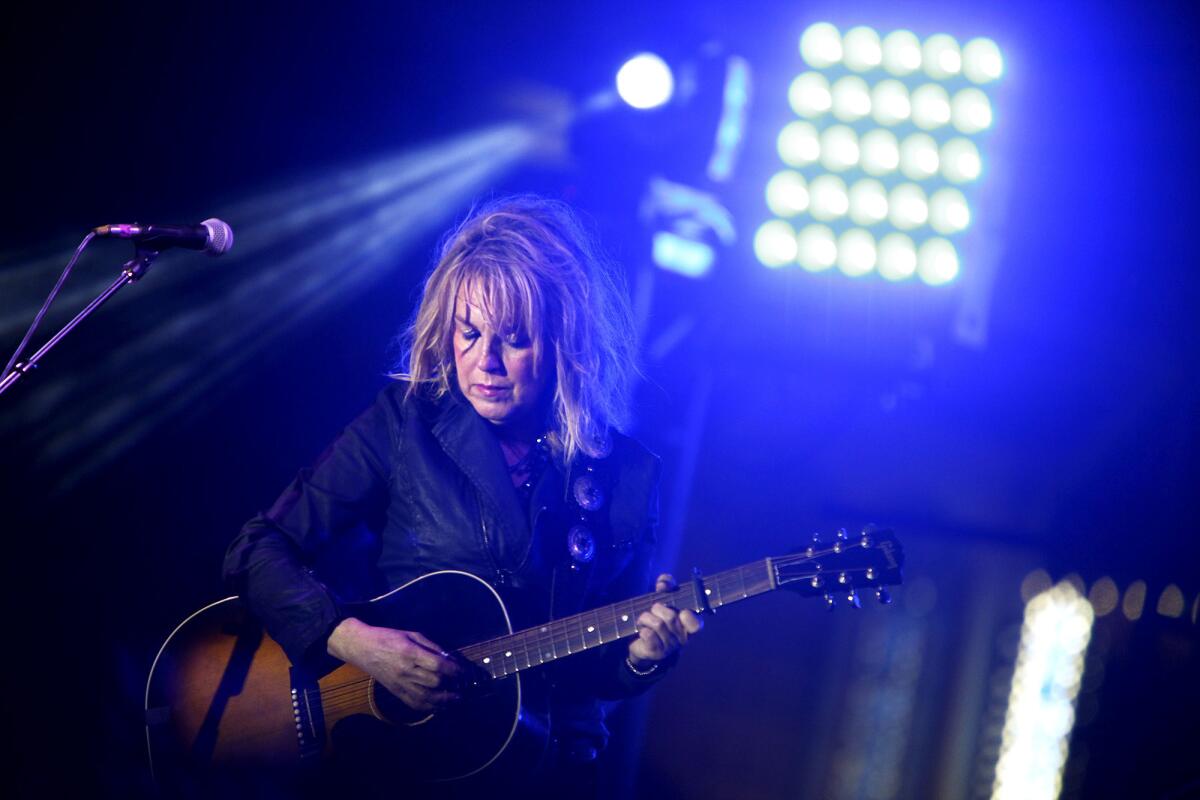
point(537, 271)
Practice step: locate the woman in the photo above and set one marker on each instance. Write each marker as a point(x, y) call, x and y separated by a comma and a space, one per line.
point(496, 452)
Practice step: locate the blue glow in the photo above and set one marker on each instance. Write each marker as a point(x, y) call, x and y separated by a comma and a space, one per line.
point(682, 255)
point(731, 130)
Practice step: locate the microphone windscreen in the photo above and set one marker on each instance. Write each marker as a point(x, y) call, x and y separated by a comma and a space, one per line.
point(220, 237)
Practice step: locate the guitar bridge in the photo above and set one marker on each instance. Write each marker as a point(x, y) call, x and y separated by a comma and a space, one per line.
point(308, 714)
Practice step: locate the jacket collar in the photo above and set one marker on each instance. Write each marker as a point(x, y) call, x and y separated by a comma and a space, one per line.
point(464, 436)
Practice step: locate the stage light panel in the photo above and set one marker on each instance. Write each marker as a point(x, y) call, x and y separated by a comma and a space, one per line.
point(787, 194)
point(1041, 701)
point(884, 152)
point(645, 81)
point(816, 248)
point(775, 243)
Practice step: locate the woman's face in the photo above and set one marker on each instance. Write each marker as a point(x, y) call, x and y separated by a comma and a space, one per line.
point(497, 372)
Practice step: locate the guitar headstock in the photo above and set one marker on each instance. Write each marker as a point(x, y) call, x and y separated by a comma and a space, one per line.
point(842, 566)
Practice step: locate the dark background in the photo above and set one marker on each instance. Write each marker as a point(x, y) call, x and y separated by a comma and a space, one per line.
point(782, 402)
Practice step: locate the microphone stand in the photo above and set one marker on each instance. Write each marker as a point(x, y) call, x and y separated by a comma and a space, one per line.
point(131, 272)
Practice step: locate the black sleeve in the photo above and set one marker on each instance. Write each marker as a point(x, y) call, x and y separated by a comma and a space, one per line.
point(269, 562)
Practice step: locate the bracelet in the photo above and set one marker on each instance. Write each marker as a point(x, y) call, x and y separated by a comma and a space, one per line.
point(641, 673)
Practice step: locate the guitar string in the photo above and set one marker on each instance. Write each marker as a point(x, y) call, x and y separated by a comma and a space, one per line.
point(352, 690)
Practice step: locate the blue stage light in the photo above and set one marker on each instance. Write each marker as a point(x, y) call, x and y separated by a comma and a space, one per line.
point(775, 243)
point(821, 45)
point(861, 50)
point(645, 81)
point(864, 190)
point(901, 53)
point(816, 248)
point(982, 62)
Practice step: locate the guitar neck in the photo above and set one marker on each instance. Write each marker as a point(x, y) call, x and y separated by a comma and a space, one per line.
point(570, 635)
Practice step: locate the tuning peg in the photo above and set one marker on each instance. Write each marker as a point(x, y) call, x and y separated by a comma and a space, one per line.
point(866, 539)
point(841, 534)
point(830, 603)
point(853, 599)
point(816, 538)
point(883, 595)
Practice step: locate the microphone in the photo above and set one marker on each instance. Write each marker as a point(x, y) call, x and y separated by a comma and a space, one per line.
point(212, 236)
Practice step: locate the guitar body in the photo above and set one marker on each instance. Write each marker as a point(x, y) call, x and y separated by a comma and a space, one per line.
point(222, 697)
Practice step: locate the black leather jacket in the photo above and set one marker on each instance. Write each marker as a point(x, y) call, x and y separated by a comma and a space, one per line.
point(414, 486)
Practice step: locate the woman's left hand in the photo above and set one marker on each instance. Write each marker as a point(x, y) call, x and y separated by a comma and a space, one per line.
point(662, 630)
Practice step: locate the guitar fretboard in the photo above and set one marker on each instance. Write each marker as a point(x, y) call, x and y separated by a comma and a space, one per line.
point(564, 637)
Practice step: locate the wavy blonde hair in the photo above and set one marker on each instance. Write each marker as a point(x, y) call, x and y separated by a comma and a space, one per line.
point(538, 271)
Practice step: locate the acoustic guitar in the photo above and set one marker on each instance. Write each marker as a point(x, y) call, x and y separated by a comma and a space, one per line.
point(222, 695)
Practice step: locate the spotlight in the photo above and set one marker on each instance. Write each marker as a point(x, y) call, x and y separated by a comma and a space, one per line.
point(799, 145)
point(919, 156)
point(930, 106)
point(901, 53)
point(981, 61)
point(787, 194)
point(851, 98)
point(897, 257)
point(775, 243)
point(890, 104)
point(821, 45)
point(971, 111)
point(856, 252)
point(960, 161)
point(907, 206)
point(810, 95)
point(861, 49)
point(828, 198)
point(645, 81)
point(839, 148)
point(937, 261)
point(941, 57)
point(816, 249)
point(948, 211)
point(868, 204)
point(880, 153)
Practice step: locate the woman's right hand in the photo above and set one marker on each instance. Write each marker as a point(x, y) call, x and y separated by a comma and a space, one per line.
point(408, 665)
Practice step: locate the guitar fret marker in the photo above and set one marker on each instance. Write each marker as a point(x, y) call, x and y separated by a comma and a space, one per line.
point(591, 628)
point(508, 654)
point(487, 660)
point(624, 618)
